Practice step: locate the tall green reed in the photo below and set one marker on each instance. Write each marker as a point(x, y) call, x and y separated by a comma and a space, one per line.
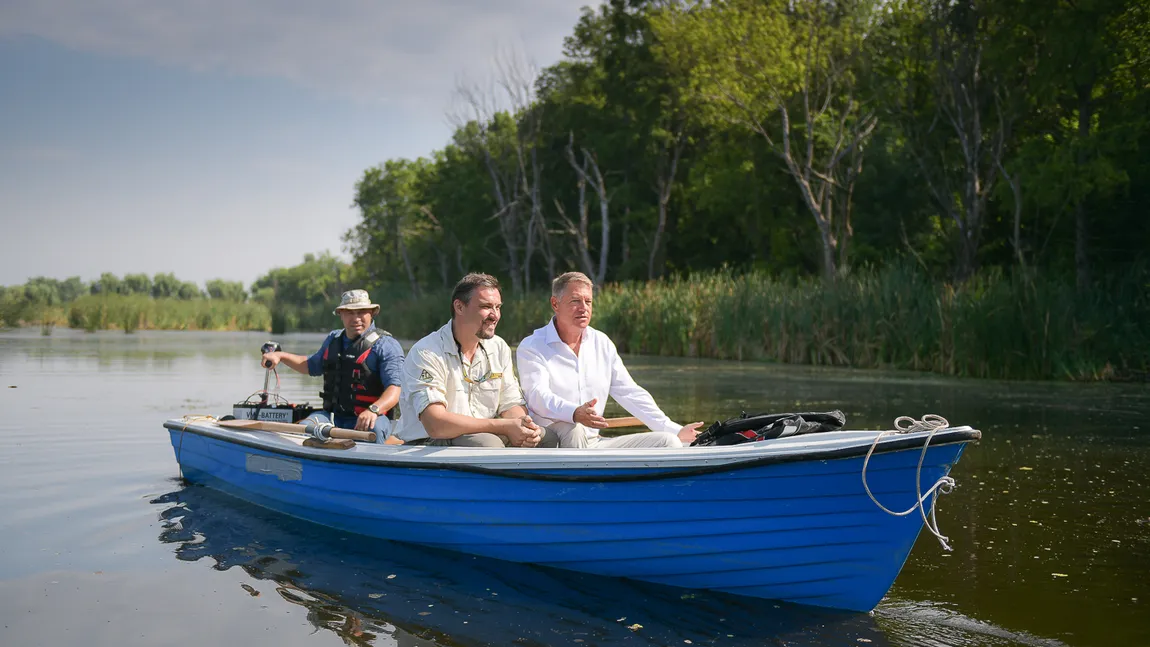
point(995, 325)
point(136, 312)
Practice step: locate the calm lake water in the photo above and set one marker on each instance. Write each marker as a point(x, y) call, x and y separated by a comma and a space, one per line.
point(101, 544)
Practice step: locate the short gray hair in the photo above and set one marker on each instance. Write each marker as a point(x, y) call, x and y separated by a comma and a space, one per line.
point(467, 286)
point(563, 280)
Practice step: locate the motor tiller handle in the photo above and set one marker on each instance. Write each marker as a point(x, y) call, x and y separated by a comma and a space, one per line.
point(268, 347)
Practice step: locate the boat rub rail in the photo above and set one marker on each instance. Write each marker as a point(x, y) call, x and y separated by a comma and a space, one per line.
point(642, 471)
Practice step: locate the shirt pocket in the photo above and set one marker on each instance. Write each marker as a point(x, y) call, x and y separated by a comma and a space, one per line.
point(493, 385)
point(487, 395)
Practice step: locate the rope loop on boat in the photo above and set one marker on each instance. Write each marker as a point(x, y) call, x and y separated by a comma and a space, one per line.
point(945, 485)
point(929, 422)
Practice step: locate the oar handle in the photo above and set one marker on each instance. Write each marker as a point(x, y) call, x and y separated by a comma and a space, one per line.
point(629, 421)
point(351, 434)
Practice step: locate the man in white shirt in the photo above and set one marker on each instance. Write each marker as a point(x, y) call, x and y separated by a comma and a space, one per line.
point(459, 385)
point(569, 369)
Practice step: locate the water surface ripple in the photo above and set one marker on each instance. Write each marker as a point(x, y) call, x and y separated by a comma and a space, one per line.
point(103, 544)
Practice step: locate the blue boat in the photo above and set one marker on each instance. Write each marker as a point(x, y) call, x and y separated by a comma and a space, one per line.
point(786, 519)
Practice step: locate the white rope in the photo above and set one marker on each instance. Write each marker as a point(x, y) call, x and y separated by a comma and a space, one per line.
point(906, 425)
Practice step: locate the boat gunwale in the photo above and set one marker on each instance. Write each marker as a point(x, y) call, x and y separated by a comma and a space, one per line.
point(529, 471)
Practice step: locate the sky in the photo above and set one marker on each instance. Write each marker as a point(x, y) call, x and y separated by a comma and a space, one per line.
point(222, 138)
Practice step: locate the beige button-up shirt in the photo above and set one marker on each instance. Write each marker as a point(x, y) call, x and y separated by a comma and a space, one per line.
point(433, 371)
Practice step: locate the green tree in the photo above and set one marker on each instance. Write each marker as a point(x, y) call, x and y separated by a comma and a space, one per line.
point(72, 288)
point(42, 290)
point(137, 284)
point(1091, 70)
point(395, 232)
point(316, 282)
point(621, 101)
point(786, 71)
point(108, 283)
point(165, 285)
point(684, 136)
point(226, 290)
point(954, 78)
point(189, 290)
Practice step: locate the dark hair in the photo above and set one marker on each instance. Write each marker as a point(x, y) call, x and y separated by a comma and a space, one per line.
point(469, 284)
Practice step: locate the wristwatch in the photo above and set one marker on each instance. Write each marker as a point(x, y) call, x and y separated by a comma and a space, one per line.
point(374, 409)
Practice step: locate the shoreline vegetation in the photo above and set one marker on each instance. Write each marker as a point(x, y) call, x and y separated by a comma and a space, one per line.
point(921, 184)
point(990, 326)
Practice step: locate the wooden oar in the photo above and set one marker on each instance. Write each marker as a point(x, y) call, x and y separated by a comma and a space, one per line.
point(367, 436)
point(289, 428)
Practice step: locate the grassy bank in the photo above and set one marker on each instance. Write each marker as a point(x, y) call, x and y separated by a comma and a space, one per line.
point(137, 312)
point(993, 326)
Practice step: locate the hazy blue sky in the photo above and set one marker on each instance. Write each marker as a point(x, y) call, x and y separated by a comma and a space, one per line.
point(219, 139)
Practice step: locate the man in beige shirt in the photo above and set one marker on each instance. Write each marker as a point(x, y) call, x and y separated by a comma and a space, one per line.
point(459, 385)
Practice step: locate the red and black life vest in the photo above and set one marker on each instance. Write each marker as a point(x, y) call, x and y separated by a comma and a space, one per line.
point(349, 386)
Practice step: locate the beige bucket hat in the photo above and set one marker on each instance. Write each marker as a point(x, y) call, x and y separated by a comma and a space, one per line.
point(355, 300)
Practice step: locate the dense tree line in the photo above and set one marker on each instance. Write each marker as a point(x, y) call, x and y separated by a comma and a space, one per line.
point(47, 291)
point(800, 137)
point(42, 299)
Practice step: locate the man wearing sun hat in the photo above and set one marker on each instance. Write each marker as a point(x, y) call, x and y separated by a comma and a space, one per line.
point(361, 367)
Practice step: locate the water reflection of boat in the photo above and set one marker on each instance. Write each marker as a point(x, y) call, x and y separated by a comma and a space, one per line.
point(785, 519)
point(412, 595)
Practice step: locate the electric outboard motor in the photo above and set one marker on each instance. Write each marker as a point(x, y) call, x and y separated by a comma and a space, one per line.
point(270, 407)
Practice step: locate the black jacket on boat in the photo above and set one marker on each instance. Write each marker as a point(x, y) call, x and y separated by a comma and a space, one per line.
point(349, 386)
point(764, 426)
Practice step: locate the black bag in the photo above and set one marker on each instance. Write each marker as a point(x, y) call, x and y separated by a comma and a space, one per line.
point(764, 426)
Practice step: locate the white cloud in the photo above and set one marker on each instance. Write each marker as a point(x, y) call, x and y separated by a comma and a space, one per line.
point(396, 51)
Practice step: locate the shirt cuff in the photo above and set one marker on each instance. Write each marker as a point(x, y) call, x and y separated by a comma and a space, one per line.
point(509, 405)
point(672, 427)
point(426, 397)
point(566, 413)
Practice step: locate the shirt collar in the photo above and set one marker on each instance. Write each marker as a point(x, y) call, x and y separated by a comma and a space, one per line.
point(447, 341)
point(551, 336)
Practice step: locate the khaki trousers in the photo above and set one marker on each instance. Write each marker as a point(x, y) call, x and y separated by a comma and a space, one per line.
point(490, 440)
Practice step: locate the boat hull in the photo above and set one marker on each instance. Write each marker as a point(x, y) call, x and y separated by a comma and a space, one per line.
point(780, 527)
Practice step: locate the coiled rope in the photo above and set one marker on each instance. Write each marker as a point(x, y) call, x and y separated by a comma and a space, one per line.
point(907, 425)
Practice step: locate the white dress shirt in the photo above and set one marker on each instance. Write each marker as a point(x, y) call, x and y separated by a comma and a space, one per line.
point(556, 381)
point(433, 371)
